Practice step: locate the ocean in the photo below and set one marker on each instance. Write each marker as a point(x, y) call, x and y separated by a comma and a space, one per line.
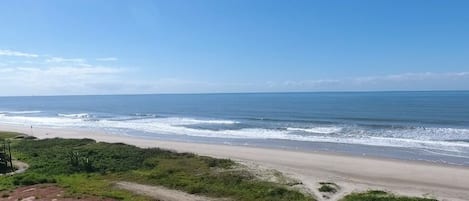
point(422, 126)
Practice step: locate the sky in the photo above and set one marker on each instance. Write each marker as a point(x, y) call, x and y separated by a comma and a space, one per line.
point(209, 46)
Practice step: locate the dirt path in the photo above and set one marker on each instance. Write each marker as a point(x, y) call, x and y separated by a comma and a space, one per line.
point(43, 192)
point(21, 166)
point(160, 193)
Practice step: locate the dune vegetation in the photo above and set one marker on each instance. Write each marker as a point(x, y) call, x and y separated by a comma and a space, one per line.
point(87, 167)
point(6, 135)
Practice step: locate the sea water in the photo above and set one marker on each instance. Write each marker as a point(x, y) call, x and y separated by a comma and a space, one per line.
point(428, 126)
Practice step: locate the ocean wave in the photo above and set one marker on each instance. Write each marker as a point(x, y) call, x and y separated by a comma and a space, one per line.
point(183, 121)
point(162, 127)
point(262, 133)
point(77, 115)
point(320, 130)
point(189, 121)
point(425, 138)
point(21, 112)
point(437, 134)
point(81, 120)
point(144, 115)
point(46, 121)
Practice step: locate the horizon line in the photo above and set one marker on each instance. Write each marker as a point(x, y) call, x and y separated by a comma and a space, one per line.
point(260, 92)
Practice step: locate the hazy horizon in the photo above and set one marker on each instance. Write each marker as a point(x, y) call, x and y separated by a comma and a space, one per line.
point(254, 92)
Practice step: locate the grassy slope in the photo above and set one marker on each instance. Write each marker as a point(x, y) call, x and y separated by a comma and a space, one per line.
point(6, 135)
point(97, 164)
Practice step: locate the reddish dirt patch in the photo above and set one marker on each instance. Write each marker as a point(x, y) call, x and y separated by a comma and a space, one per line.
point(42, 192)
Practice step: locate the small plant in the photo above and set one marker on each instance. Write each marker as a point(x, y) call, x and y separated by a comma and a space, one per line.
point(74, 159)
point(328, 187)
point(79, 163)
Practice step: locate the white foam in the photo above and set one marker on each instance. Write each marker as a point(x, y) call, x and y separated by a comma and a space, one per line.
point(145, 115)
point(182, 121)
point(320, 130)
point(161, 127)
point(77, 115)
point(47, 121)
point(414, 138)
point(21, 112)
point(191, 121)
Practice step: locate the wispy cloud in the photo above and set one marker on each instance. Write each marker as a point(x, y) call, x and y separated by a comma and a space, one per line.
point(56, 80)
point(414, 76)
point(54, 75)
point(65, 60)
point(107, 59)
point(309, 83)
point(16, 53)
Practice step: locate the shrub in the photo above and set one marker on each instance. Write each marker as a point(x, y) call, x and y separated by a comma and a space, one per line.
point(327, 188)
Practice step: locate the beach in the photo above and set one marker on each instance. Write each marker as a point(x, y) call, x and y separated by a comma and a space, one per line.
point(351, 173)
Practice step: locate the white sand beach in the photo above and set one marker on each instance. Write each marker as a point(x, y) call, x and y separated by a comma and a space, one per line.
point(351, 173)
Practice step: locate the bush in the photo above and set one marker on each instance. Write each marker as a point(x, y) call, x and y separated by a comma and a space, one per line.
point(327, 188)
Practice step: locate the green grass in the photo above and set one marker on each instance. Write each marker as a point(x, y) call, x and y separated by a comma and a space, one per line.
point(6, 183)
point(86, 167)
point(195, 176)
point(381, 196)
point(94, 185)
point(6, 135)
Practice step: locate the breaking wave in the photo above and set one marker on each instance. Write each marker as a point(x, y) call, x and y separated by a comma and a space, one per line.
point(321, 130)
point(447, 139)
point(78, 115)
point(21, 112)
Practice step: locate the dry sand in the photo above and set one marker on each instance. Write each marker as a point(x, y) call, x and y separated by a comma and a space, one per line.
point(351, 173)
point(161, 193)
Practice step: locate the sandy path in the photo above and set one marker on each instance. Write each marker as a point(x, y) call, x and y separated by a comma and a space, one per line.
point(160, 193)
point(352, 173)
point(20, 166)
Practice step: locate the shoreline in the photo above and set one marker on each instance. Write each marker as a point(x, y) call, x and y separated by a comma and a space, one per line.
point(352, 173)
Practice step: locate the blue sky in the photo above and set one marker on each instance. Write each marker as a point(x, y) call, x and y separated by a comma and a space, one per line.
point(202, 46)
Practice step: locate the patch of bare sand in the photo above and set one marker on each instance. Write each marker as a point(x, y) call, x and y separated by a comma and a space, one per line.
point(161, 193)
